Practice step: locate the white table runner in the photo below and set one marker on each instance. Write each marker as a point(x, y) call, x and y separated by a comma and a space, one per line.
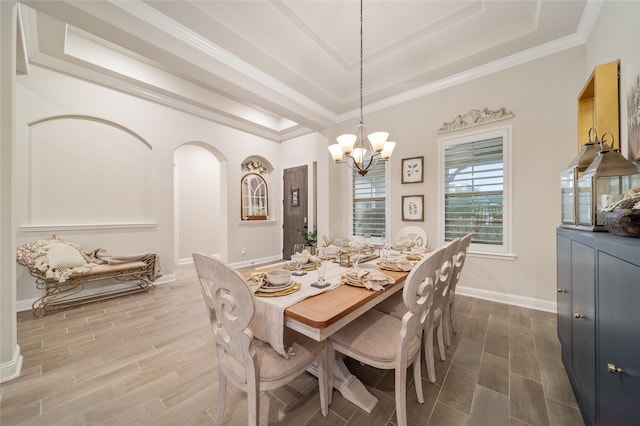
point(268, 320)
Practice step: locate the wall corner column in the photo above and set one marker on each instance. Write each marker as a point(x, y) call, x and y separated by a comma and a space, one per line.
point(10, 358)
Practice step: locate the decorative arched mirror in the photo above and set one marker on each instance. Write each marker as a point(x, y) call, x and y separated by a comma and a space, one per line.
point(254, 197)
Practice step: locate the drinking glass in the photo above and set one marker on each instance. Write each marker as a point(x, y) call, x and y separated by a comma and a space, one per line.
point(322, 271)
point(297, 258)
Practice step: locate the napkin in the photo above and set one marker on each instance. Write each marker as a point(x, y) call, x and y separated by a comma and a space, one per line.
point(256, 281)
point(399, 263)
point(373, 280)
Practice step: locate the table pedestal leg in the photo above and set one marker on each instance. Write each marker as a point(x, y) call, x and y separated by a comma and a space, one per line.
point(349, 386)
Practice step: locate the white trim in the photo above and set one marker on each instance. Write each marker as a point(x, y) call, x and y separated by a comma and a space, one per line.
point(27, 304)
point(189, 260)
point(495, 256)
point(257, 222)
point(11, 369)
point(511, 299)
point(254, 262)
point(85, 227)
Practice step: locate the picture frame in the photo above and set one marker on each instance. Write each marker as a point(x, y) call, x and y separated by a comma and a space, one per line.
point(295, 197)
point(413, 170)
point(413, 208)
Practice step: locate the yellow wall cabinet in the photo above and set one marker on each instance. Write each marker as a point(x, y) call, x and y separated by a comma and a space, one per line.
point(599, 104)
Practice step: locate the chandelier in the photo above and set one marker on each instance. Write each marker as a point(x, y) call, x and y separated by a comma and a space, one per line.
point(352, 150)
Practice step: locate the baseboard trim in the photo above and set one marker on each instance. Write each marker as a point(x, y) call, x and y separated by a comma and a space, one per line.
point(11, 369)
point(27, 304)
point(511, 299)
point(254, 262)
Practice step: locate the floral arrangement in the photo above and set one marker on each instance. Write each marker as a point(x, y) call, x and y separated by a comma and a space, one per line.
point(253, 166)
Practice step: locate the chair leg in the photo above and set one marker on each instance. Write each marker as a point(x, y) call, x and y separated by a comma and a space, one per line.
point(253, 402)
point(417, 378)
point(222, 394)
point(445, 324)
point(401, 394)
point(428, 354)
point(441, 340)
point(324, 379)
point(453, 327)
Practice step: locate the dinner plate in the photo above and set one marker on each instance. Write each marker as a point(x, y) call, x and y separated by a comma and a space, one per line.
point(387, 267)
point(305, 266)
point(276, 288)
point(292, 289)
point(354, 283)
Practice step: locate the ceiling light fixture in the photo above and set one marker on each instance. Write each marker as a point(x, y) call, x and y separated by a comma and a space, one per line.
point(352, 149)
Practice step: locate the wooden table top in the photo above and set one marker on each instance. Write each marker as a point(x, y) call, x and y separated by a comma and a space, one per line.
point(326, 308)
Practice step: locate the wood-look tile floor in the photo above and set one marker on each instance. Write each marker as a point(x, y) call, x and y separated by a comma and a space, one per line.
point(150, 358)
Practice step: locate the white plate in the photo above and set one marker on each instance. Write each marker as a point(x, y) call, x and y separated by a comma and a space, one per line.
point(273, 289)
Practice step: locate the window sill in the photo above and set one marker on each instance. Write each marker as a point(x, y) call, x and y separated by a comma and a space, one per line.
point(257, 222)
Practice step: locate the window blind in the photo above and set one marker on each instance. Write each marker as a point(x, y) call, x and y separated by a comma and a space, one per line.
point(474, 191)
point(369, 202)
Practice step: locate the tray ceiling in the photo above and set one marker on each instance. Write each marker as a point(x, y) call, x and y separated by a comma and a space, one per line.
point(283, 68)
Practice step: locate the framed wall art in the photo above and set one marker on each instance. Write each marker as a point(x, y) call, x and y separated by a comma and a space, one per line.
point(412, 170)
point(413, 208)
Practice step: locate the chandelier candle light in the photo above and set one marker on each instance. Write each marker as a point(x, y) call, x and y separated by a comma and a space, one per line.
point(352, 149)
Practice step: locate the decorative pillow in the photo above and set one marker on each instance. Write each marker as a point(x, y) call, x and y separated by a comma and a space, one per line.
point(62, 256)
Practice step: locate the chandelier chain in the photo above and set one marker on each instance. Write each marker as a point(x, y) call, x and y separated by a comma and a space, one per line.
point(361, 62)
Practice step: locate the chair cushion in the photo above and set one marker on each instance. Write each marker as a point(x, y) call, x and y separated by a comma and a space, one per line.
point(372, 337)
point(393, 306)
point(274, 366)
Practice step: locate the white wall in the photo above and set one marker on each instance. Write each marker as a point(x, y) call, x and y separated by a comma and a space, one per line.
point(616, 35)
point(542, 95)
point(42, 94)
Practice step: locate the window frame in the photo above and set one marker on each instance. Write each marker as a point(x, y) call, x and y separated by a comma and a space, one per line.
point(503, 251)
point(387, 205)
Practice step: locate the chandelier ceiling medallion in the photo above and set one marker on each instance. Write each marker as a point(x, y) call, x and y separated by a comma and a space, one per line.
point(352, 149)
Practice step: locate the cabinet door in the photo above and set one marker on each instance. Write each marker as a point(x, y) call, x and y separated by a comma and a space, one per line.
point(564, 295)
point(584, 332)
point(618, 341)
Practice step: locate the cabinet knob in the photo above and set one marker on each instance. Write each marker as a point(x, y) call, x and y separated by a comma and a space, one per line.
point(611, 368)
point(562, 290)
point(578, 315)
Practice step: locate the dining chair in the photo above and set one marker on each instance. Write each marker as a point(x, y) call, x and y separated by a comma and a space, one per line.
point(436, 312)
point(250, 364)
point(386, 342)
point(460, 258)
point(413, 233)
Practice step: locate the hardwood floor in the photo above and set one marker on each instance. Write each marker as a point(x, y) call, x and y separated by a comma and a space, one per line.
point(150, 359)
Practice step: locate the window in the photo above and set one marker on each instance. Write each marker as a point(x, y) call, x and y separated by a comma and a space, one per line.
point(475, 189)
point(369, 195)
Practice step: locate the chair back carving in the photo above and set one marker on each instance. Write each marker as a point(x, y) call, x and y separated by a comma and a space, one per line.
point(459, 260)
point(418, 293)
point(230, 307)
point(445, 274)
point(413, 233)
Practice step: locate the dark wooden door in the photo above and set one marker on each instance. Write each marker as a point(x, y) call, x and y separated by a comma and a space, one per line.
point(294, 209)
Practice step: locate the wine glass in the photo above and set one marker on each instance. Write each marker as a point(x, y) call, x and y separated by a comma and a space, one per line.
point(322, 270)
point(297, 257)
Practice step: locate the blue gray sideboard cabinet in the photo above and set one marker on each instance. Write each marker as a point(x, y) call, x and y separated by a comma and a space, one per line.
point(599, 323)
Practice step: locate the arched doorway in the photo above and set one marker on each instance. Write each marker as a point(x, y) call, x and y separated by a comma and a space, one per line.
point(199, 213)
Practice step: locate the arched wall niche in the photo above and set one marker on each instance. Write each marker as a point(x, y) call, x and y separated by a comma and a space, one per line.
point(85, 170)
point(254, 188)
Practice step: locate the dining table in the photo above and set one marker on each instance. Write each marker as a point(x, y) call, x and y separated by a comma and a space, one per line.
point(323, 312)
